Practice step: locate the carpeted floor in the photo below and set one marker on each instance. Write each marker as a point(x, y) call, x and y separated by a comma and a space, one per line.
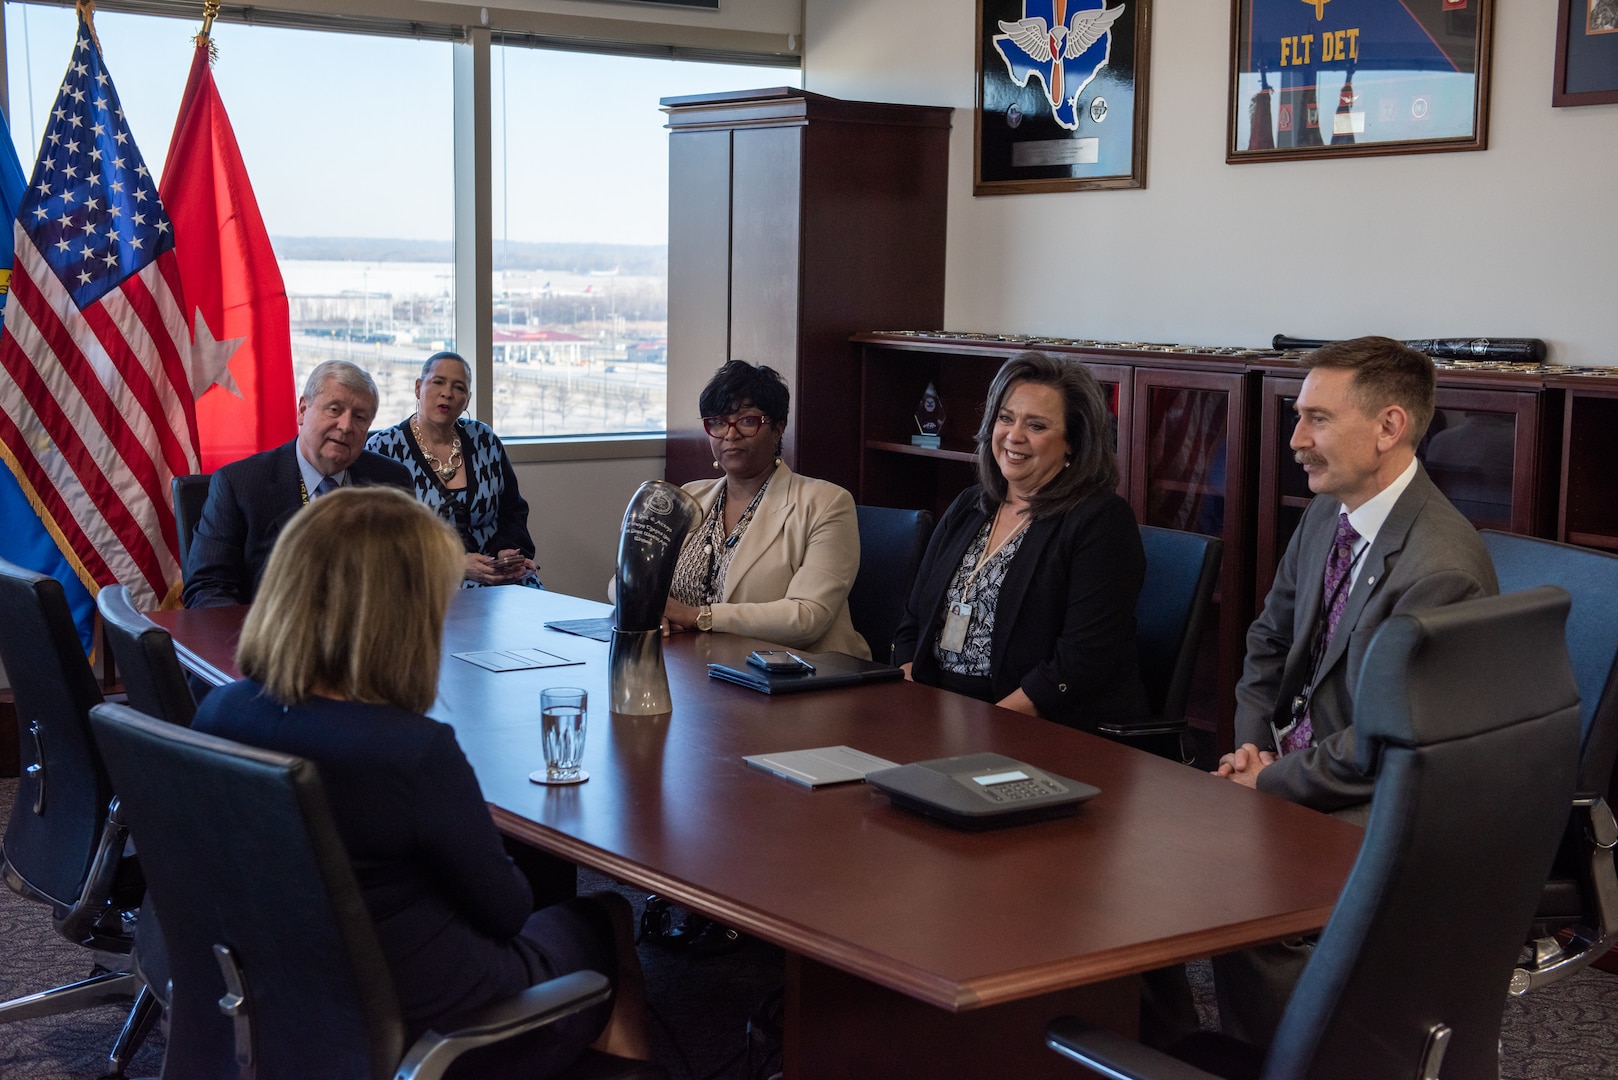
point(716, 1016)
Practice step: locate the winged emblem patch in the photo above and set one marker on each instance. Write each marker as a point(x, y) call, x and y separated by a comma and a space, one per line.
point(1063, 55)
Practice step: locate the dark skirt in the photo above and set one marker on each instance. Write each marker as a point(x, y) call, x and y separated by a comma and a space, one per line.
point(972, 686)
point(575, 935)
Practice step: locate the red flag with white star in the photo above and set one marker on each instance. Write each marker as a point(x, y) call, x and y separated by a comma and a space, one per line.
point(241, 351)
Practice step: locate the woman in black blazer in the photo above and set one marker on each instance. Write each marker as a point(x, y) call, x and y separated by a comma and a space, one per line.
point(341, 654)
point(1026, 596)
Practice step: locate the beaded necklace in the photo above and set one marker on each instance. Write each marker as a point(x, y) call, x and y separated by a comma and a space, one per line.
point(446, 470)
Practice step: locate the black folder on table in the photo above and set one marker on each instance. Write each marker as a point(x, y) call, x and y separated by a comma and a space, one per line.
point(831, 669)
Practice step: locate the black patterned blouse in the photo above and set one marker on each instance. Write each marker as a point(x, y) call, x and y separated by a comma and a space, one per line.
point(490, 513)
point(984, 595)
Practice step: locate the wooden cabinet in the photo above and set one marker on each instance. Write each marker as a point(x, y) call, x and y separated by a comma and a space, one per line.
point(893, 378)
point(1189, 470)
point(796, 220)
point(1203, 445)
point(1587, 512)
point(1490, 449)
point(1181, 435)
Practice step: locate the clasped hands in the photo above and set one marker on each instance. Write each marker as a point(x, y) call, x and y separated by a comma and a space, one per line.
point(506, 568)
point(1244, 764)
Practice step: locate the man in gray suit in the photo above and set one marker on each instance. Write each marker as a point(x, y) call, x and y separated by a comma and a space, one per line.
point(1378, 540)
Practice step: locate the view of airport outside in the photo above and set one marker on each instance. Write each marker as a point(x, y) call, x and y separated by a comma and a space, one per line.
point(351, 162)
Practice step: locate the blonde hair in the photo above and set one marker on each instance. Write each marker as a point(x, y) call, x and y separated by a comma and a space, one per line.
point(353, 602)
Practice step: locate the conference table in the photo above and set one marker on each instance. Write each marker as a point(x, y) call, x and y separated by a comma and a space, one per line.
point(912, 948)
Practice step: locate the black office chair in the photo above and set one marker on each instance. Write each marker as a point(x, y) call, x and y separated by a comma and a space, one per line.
point(1580, 903)
point(64, 844)
point(155, 684)
point(1182, 569)
point(1469, 717)
point(153, 680)
point(892, 543)
point(190, 493)
point(275, 966)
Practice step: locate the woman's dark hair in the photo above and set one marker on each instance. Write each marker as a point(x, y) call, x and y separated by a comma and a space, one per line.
point(1091, 462)
point(739, 383)
point(427, 367)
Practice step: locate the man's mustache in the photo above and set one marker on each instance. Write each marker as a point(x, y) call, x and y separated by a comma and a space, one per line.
point(1303, 457)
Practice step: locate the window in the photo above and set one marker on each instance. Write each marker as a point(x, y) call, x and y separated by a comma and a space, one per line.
point(350, 161)
point(581, 235)
point(349, 140)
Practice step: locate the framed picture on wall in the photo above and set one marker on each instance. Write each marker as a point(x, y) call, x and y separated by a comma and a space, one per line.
point(1349, 78)
point(1061, 95)
point(1586, 53)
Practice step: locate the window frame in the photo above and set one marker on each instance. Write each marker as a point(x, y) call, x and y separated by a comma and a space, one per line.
point(471, 47)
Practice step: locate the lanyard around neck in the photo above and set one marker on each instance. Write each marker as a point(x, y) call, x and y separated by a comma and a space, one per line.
point(986, 556)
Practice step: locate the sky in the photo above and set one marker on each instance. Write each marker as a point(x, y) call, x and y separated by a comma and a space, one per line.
point(345, 135)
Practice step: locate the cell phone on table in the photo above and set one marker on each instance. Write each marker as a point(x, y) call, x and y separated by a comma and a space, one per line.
point(779, 662)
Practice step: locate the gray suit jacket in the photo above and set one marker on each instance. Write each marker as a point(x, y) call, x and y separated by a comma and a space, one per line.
point(1425, 555)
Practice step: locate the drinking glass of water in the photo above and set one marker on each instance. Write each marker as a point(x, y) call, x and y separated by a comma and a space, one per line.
point(563, 711)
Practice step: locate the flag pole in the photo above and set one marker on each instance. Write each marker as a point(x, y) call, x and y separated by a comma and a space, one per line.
point(86, 9)
point(210, 12)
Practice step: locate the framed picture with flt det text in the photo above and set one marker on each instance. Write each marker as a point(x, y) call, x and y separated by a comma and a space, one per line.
point(1351, 78)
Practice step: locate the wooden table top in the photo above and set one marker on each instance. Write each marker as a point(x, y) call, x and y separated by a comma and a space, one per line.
point(1166, 864)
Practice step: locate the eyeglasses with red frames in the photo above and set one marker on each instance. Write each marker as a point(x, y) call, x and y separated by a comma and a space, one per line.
point(746, 426)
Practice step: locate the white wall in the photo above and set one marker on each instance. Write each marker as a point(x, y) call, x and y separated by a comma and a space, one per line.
point(1515, 241)
point(574, 511)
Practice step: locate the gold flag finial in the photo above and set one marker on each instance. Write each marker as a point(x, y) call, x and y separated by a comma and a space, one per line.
point(86, 10)
point(210, 12)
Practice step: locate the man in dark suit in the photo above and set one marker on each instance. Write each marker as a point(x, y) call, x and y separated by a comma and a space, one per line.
point(249, 501)
point(1378, 540)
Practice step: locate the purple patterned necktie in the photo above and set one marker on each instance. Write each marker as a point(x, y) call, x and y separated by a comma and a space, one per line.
point(1335, 592)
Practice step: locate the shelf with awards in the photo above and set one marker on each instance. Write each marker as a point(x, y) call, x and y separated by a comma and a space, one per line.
point(1159, 407)
point(1202, 435)
point(895, 381)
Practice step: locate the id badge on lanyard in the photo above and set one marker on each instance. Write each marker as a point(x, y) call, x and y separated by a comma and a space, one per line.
point(956, 621)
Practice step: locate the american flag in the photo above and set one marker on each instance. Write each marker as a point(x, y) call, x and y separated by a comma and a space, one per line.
point(96, 406)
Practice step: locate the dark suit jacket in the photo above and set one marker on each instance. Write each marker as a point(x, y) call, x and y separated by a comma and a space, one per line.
point(447, 902)
point(1424, 556)
point(249, 502)
point(1064, 626)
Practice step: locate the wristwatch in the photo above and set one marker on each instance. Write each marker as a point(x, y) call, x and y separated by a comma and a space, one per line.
point(705, 617)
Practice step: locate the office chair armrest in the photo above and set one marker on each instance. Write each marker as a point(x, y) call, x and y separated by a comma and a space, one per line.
point(81, 922)
point(1114, 1056)
point(1599, 827)
point(533, 1008)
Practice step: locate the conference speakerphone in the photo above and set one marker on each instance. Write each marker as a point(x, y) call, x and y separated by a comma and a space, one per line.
point(980, 791)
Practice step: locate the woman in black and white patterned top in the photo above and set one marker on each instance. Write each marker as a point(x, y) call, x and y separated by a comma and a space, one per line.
point(463, 475)
point(1026, 596)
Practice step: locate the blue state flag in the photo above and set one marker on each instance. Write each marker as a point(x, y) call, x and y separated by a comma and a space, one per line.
point(23, 537)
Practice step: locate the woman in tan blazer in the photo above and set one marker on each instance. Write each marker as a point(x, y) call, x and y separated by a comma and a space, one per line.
point(776, 552)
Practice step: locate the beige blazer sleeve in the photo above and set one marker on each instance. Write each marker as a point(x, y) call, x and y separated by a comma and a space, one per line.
point(789, 579)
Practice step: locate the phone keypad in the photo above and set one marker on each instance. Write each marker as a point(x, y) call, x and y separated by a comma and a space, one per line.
point(1017, 790)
